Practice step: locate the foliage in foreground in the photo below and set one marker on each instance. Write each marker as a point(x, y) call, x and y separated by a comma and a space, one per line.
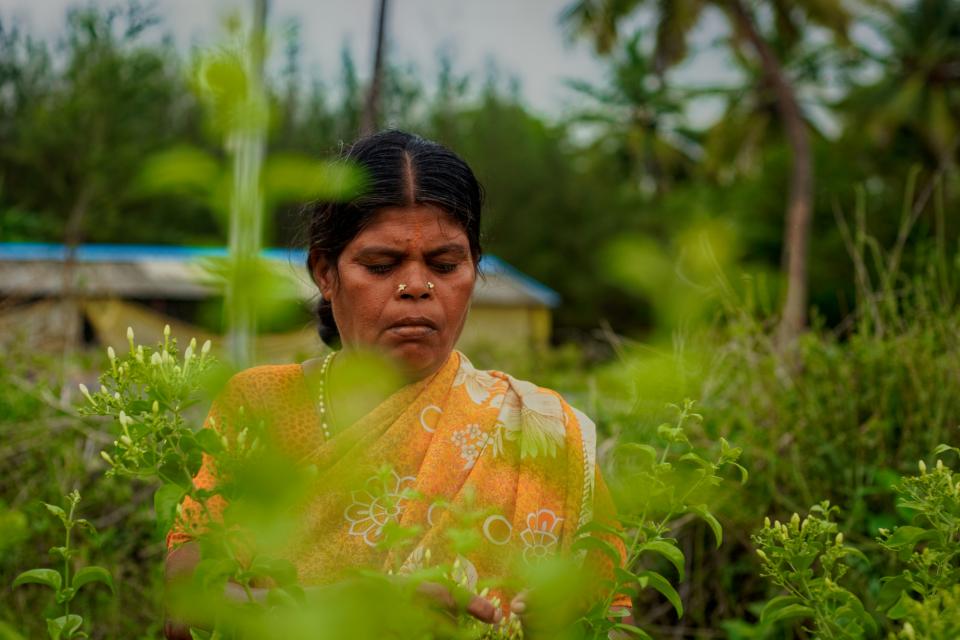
point(146, 394)
point(807, 559)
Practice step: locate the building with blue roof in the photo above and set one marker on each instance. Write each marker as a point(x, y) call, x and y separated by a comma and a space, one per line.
point(147, 286)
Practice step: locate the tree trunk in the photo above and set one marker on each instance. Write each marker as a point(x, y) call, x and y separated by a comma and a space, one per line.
point(800, 196)
point(371, 109)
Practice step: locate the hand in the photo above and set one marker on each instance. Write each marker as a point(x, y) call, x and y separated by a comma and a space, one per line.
point(478, 607)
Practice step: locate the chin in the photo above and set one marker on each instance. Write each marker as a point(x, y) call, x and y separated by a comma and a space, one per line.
point(417, 359)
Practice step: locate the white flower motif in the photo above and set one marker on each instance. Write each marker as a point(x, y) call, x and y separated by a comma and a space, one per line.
point(371, 509)
point(417, 560)
point(534, 416)
point(471, 440)
point(464, 573)
point(478, 384)
point(540, 537)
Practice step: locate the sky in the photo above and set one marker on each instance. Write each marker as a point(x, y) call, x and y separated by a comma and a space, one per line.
point(523, 38)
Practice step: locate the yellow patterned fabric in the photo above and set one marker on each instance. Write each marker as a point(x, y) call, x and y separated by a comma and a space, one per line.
point(515, 449)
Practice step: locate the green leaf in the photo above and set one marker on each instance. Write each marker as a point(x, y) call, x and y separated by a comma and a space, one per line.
point(9, 633)
point(55, 510)
point(744, 474)
point(165, 502)
point(588, 543)
point(784, 608)
point(283, 572)
point(704, 513)
point(93, 574)
point(645, 451)
point(64, 626)
point(899, 608)
point(632, 630)
point(943, 448)
point(47, 577)
point(905, 539)
point(209, 440)
point(697, 460)
point(668, 551)
point(661, 584)
point(212, 574)
point(595, 526)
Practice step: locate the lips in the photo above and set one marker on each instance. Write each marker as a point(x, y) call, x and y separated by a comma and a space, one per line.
point(413, 327)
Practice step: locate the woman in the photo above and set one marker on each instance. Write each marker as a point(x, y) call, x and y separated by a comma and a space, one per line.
point(396, 267)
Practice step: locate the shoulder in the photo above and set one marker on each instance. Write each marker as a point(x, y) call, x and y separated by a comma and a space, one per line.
point(540, 416)
point(261, 384)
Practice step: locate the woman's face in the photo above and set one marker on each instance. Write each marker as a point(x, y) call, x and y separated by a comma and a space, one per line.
point(416, 325)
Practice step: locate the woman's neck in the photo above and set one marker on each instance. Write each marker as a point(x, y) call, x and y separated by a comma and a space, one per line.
point(354, 384)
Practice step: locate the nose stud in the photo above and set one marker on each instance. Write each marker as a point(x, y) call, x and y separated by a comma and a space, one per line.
point(430, 285)
point(401, 288)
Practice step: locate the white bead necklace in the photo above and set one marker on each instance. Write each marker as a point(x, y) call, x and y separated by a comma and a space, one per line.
point(324, 368)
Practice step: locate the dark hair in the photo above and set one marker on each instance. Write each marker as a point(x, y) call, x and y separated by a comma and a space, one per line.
point(399, 170)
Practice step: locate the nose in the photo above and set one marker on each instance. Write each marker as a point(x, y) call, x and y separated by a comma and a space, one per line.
point(415, 290)
point(416, 283)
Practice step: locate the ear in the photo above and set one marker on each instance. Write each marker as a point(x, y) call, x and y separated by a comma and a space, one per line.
point(325, 277)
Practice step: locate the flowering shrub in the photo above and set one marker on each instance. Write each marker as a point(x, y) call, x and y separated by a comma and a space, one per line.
point(807, 559)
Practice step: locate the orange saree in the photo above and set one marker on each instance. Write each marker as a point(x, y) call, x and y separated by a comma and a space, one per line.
point(517, 450)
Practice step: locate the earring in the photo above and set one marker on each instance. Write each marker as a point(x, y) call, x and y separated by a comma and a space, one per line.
point(430, 285)
point(401, 288)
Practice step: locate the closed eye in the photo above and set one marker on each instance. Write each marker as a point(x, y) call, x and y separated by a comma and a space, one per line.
point(444, 267)
point(379, 269)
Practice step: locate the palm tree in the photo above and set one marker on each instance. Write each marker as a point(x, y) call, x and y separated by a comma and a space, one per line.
point(600, 20)
point(918, 93)
point(639, 116)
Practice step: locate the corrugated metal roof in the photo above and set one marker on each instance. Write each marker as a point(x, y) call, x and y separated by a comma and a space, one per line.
point(161, 271)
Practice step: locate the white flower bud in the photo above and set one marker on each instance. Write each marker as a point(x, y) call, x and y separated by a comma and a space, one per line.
point(85, 392)
point(166, 331)
point(125, 439)
point(839, 539)
point(106, 456)
point(939, 464)
point(908, 631)
point(766, 523)
point(130, 334)
point(155, 359)
point(116, 395)
point(763, 556)
point(188, 354)
point(923, 467)
point(242, 437)
point(111, 354)
point(206, 348)
point(124, 419)
point(795, 521)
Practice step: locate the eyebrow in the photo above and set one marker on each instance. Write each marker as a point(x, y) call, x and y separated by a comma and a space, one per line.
point(452, 248)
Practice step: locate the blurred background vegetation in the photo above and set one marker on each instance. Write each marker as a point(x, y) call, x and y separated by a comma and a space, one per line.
point(667, 239)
